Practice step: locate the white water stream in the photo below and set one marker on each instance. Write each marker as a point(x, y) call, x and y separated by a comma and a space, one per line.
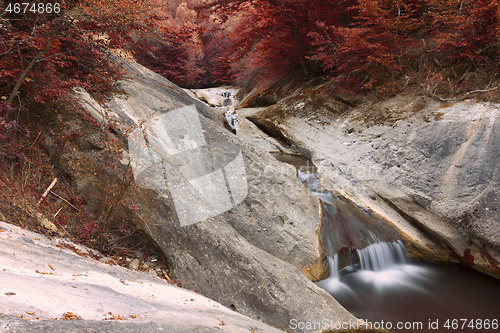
point(380, 285)
point(382, 256)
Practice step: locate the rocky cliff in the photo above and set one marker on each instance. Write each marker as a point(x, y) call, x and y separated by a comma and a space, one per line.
point(427, 166)
point(257, 258)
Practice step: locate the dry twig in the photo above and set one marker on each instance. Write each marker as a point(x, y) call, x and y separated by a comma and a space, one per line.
point(69, 203)
point(47, 190)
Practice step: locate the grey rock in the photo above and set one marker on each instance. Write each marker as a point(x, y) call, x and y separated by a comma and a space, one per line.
point(430, 168)
point(107, 260)
point(12, 324)
point(104, 298)
point(134, 264)
point(226, 258)
point(147, 265)
point(138, 255)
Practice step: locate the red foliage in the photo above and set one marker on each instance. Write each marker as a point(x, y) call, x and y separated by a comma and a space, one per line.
point(43, 55)
point(364, 44)
point(178, 60)
point(217, 66)
point(179, 54)
point(266, 38)
point(373, 47)
point(469, 31)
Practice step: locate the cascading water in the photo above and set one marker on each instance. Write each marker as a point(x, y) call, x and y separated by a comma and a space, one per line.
point(382, 256)
point(357, 237)
point(366, 248)
point(381, 286)
point(349, 235)
point(372, 278)
point(308, 178)
point(334, 266)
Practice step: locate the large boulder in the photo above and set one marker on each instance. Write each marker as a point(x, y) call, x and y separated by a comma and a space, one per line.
point(45, 280)
point(257, 258)
point(431, 168)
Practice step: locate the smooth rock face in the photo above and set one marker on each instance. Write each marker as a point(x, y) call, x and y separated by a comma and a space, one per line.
point(431, 168)
point(253, 258)
point(42, 282)
point(224, 96)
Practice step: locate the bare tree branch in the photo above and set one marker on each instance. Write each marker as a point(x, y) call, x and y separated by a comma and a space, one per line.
point(53, 33)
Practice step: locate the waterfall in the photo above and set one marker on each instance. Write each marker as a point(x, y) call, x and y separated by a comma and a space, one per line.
point(371, 276)
point(333, 283)
point(308, 178)
point(353, 237)
point(346, 229)
point(381, 256)
point(349, 234)
point(334, 266)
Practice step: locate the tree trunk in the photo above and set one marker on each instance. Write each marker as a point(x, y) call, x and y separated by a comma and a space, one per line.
point(296, 37)
point(301, 57)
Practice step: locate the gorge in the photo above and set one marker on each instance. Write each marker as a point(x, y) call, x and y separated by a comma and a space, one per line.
point(262, 257)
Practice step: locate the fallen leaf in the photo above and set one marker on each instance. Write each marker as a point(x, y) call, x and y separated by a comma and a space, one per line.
point(10, 293)
point(45, 273)
point(115, 317)
point(70, 316)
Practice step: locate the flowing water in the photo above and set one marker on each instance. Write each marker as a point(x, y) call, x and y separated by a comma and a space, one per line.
point(371, 276)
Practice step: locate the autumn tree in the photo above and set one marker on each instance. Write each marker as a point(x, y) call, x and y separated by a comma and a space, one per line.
point(446, 46)
point(177, 58)
point(467, 40)
point(218, 69)
point(266, 37)
point(47, 49)
point(374, 47)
